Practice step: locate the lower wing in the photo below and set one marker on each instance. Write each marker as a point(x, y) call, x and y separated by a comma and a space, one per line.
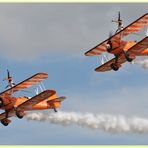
point(3, 115)
point(107, 66)
point(36, 99)
point(139, 47)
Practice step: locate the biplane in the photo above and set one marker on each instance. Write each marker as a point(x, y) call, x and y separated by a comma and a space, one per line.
point(18, 106)
point(117, 45)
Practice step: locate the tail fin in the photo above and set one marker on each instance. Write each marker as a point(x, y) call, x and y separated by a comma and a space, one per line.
point(55, 103)
point(60, 99)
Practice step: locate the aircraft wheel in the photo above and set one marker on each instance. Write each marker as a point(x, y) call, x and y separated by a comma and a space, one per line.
point(20, 114)
point(1, 102)
point(114, 67)
point(128, 58)
point(5, 122)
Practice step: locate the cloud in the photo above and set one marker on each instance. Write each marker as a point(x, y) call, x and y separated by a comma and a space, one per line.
point(32, 31)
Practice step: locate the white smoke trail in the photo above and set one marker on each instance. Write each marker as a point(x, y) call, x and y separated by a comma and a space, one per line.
point(143, 63)
point(104, 122)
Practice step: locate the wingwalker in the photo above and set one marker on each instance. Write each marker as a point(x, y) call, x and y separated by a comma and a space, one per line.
point(13, 106)
point(122, 50)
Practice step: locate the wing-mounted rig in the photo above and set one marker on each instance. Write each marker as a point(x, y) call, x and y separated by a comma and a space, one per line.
point(9, 79)
point(119, 22)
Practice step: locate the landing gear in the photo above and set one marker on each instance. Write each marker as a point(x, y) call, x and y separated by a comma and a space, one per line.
point(128, 57)
point(55, 110)
point(20, 114)
point(114, 66)
point(5, 121)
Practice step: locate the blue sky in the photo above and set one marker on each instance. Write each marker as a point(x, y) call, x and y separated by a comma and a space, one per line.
point(53, 38)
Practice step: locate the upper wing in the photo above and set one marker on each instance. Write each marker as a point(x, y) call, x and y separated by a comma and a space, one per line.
point(134, 27)
point(106, 66)
point(36, 99)
point(139, 47)
point(99, 49)
point(25, 84)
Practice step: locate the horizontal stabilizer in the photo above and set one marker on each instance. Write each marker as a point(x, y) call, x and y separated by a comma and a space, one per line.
point(60, 99)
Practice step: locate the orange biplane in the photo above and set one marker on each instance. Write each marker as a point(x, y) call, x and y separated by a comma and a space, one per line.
point(121, 49)
point(18, 106)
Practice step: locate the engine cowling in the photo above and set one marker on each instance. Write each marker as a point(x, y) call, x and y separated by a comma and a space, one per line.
point(4, 102)
point(109, 46)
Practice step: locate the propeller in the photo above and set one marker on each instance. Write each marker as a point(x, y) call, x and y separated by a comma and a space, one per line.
point(9, 79)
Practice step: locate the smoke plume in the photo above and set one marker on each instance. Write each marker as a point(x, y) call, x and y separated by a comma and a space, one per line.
point(104, 122)
point(143, 63)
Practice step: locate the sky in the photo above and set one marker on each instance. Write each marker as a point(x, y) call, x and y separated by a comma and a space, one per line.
point(53, 38)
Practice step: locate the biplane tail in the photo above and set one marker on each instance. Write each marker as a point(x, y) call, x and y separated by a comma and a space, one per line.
point(55, 103)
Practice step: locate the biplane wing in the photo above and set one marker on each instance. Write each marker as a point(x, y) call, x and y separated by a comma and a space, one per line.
point(60, 99)
point(3, 115)
point(29, 103)
point(36, 99)
point(139, 47)
point(25, 84)
point(106, 66)
point(134, 27)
